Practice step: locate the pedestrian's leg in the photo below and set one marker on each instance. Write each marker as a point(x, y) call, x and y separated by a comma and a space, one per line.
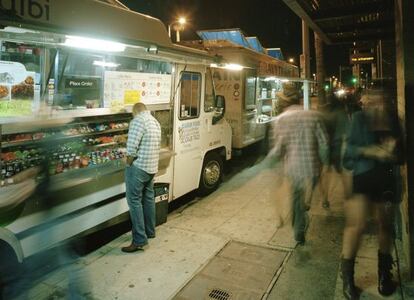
point(356, 214)
point(324, 185)
point(385, 218)
point(134, 189)
point(149, 208)
point(356, 211)
point(298, 211)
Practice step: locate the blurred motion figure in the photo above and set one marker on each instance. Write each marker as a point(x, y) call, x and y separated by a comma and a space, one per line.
point(372, 154)
point(300, 140)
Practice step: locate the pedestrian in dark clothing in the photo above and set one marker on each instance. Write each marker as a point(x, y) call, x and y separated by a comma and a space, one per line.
point(337, 119)
point(371, 154)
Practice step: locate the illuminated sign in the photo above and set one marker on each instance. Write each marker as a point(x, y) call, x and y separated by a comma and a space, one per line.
point(362, 58)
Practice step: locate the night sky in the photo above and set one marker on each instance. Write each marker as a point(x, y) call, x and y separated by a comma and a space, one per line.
point(270, 20)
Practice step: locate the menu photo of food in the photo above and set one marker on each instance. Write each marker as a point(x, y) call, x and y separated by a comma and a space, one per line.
point(4, 91)
point(19, 89)
point(23, 90)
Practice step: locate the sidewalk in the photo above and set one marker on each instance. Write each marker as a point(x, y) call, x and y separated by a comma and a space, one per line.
point(240, 218)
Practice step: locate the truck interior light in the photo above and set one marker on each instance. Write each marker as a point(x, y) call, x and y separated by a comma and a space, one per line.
point(17, 30)
point(93, 44)
point(105, 64)
point(232, 67)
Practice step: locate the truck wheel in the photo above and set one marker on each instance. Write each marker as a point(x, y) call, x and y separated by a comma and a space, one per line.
point(8, 262)
point(211, 174)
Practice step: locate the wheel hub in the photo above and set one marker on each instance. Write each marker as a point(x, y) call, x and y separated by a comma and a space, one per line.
point(212, 173)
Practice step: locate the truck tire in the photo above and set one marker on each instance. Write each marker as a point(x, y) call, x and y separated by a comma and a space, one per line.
point(211, 173)
point(8, 262)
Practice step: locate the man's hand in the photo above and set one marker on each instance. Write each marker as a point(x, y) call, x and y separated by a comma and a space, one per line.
point(130, 160)
point(377, 152)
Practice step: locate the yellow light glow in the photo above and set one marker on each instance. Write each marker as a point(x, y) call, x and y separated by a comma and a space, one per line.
point(182, 20)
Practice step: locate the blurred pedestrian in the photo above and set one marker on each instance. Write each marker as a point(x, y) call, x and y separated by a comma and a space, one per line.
point(143, 148)
point(372, 155)
point(337, 118)
point(301, 142)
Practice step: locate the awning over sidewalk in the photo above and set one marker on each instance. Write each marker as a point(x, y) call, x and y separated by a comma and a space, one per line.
point(347, 21)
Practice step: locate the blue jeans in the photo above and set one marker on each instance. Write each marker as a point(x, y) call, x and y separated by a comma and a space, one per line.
point(140, 197)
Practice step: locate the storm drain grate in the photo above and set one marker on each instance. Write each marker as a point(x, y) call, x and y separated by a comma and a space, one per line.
point(238, 271)
point(218, 294)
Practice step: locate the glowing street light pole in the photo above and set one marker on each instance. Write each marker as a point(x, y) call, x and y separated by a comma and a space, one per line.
point(179, 24)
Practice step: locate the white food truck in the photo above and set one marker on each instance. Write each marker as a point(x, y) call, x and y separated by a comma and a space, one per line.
point(250, 79)
point(69, 73)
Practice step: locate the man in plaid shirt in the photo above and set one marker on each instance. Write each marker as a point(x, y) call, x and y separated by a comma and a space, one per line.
point(301, 142)
point(143, 148)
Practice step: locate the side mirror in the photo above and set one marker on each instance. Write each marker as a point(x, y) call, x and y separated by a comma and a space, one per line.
point(220, 108)
point(220, 101)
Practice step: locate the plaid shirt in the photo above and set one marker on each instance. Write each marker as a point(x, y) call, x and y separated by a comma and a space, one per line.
point(301, 140)
point(144, 138)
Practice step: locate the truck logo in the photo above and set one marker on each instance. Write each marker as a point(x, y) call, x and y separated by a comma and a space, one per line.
point(36, 9)
point(189, 132)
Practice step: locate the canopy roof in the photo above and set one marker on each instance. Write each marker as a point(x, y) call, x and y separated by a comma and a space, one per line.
point(275, 52)
point(347, 21)
point(91, 18)
point(100, 19)
point(255, 44)
point(234, 35)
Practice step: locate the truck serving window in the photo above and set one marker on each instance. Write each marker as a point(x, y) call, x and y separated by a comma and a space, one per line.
point(250, 99)
point(190, 95)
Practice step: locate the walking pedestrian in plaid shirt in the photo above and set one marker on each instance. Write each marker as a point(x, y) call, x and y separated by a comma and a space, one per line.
point(301, 142)
point(143, 148)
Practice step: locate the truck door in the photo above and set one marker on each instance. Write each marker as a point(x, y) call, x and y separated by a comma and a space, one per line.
point(187, 129)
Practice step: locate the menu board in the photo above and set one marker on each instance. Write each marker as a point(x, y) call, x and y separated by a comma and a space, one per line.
point(126, 88)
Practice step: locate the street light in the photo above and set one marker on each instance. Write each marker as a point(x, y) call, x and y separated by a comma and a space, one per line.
point(178, 24)
point(291, 60)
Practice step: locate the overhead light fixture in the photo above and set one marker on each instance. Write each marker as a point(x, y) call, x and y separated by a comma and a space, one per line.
point(152, 49)
point(105, 64)
point(18, 30)
point(270, 79)
point(232, 67)
point(93, 44)
point(284, 80)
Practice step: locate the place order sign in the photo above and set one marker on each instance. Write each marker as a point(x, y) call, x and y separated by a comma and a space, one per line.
point(126, 88)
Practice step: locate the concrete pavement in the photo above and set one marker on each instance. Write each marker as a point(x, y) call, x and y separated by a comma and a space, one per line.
point(250, 208)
